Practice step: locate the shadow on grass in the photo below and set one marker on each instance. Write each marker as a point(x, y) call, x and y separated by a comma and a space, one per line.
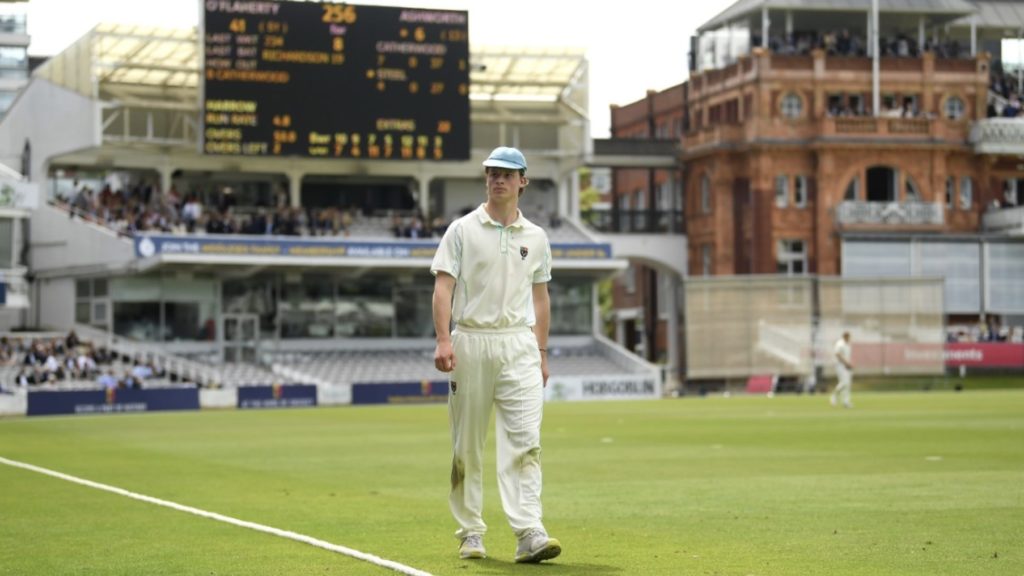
point(552, 568)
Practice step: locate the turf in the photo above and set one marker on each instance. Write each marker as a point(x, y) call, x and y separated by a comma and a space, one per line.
point(904, 484)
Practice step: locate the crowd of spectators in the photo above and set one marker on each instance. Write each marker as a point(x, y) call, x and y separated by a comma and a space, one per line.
point(55, 360)
point(991, 331)
point(844, 43)
point(143, 208)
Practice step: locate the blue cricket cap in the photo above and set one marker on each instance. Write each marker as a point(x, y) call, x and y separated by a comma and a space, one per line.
point(505, 157)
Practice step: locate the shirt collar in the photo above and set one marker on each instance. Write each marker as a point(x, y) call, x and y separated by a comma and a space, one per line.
point(485, 218)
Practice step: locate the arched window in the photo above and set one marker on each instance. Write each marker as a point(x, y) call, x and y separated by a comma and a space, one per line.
point(791, 106)
point(705, 194)
point(910, 193)
point(853, 189)
point(954, 108)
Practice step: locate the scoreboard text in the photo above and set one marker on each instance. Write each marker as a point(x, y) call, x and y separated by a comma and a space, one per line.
point(335, 81)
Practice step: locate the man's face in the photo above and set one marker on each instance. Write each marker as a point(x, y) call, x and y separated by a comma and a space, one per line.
point(504, 182)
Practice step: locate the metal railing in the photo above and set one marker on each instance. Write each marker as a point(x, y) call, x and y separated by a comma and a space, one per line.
point(1005, 220)
point(890, 213)
point(998, 135)
point(635, 221)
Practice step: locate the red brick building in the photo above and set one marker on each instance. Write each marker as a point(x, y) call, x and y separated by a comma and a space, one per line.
point(782, 153)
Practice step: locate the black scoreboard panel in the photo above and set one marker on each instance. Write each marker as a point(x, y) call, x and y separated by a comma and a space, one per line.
point(335, 81)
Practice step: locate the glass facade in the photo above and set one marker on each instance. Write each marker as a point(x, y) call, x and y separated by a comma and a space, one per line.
point(162, 308)
point(289, 305)
point(980, 276)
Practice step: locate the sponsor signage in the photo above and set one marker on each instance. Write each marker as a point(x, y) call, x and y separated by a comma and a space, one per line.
point(400, 392)
point(985, 355)
point(624, 387)
point(931, 357)
point(277, 396)
point(280, 247)
point(111, 400)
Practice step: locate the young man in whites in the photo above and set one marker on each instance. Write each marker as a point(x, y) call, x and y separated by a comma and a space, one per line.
point(491, 273)
point(844, 371)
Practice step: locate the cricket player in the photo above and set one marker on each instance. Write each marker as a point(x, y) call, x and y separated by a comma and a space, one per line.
point(844, 371)
point(491, 273)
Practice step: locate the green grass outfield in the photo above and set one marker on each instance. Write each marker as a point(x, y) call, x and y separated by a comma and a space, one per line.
point(904, 484)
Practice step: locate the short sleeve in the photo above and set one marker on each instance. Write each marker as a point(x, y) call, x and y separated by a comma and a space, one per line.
point(543, 272)
point(448, 258)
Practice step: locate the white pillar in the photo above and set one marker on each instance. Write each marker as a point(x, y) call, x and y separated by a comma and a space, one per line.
point(920, 34)
point(765, 26)
point(672, 299)
point(165, 173)
point(295, 188)
point(572, 210)
point(423, 197)
point(789, 24)
point(875, 97)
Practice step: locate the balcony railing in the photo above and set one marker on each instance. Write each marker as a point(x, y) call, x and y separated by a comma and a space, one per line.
point(635, 221)
point(1004, 221)
point(868, 128)
point(890, 213)
point(998, 136)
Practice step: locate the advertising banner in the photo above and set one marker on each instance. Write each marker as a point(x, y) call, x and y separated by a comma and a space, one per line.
point(277, 396)
point(909, 358)
point(621, 387)
point(400, 392)
point(111, 400)
point(281, 247)
point(985, 355)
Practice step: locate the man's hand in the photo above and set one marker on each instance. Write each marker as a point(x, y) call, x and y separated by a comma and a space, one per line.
point(444, 357)
point(544, 367)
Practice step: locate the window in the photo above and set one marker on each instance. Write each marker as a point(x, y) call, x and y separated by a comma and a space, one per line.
point(852, 190)
point(966, 193)
point(911, 194)
point(705, 194)
point(954, 108)
point(781, 191)
point(791, 257)
point(1011, 192)
point(792, 106)
point(663, 196)
point(629, 279)
point(950, 190)
point(881, 184)
point(706, 259)
point(641, 199)
point(800, 191)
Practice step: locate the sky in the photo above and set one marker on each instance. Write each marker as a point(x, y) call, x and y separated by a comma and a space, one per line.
point(631, 47)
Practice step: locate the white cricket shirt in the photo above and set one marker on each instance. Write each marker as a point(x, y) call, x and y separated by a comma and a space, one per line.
point(495, 268)
point(842, 350)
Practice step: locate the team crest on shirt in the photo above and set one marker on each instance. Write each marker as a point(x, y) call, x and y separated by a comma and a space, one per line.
point(524, 252)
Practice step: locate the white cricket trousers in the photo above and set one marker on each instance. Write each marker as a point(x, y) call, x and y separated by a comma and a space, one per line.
point(844, 381)
point(499, 368)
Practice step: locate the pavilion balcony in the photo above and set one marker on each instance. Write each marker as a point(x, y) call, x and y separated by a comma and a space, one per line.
point(889, 214)
point(998, 136)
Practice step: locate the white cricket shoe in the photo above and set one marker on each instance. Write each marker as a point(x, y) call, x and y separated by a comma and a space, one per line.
point(535, 546)
point(472, 548)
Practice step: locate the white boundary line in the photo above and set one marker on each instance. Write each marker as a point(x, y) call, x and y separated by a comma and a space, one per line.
point(226, 519)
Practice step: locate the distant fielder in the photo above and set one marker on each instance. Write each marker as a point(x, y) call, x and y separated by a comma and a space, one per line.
point(844, 371)
point(491, 273)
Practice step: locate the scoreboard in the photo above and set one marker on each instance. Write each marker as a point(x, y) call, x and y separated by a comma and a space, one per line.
point(334, 81)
